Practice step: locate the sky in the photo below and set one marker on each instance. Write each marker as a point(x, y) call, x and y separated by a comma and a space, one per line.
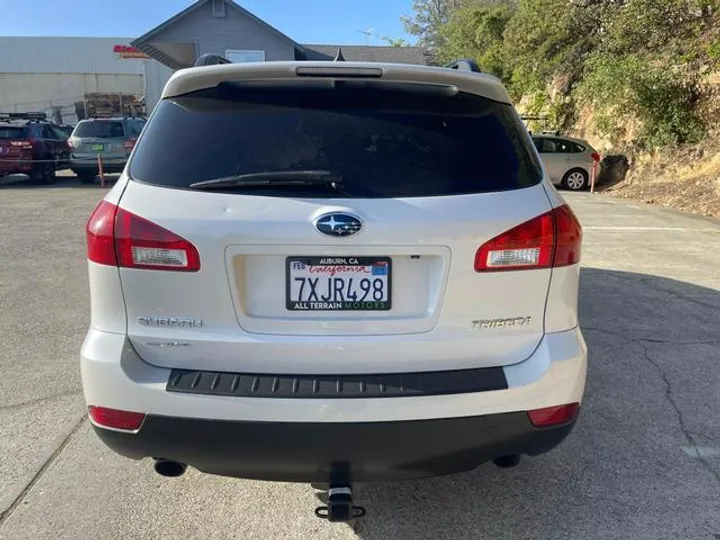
point(318, 21)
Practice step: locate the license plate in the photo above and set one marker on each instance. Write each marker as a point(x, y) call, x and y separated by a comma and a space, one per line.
point(338, 283)
point(98, 147)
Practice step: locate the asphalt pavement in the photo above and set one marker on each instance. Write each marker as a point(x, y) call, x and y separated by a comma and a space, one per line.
point(643, 462)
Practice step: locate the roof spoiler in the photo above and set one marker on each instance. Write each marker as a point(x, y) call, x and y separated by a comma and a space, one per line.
point(465, 64)
point(211, 60)
point(23, 116)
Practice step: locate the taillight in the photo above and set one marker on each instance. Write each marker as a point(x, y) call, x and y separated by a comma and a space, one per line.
point(553, 416)
point(129, 144)
point(568, 237)
point(116, 237)
point(99, 233)
point(595, 156)
point(548, 240)
point(116, 419)
point(24, 145)
point(70, 144)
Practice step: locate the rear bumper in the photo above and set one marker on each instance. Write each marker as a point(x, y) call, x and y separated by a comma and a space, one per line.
point(115, 376)
point(91, 164)
point(336, 452)
point(14, 166)
point(305, 439)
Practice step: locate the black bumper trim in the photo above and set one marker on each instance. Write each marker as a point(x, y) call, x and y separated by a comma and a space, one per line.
point(336, 386)
point(336, 452)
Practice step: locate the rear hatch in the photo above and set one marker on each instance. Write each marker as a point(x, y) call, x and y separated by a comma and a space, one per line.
point(346, 236)
point(13, 146)
point(104, 137)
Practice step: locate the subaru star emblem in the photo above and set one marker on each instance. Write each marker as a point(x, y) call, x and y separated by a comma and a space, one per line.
point(338, 224)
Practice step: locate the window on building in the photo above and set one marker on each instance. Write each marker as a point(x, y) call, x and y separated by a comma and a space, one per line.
point(241, 57)
point(218, 8)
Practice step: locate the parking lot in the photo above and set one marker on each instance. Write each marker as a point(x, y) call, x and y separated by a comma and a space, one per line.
point(643, 462)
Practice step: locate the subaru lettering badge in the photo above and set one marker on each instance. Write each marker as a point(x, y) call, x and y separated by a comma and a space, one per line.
point(338, 224)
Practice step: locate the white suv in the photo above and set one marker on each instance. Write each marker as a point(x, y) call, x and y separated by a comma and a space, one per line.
point(333, 272)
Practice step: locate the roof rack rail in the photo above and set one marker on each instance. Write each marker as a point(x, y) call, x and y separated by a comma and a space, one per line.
point(211, 60)
point(465, 64)
point(23, 116)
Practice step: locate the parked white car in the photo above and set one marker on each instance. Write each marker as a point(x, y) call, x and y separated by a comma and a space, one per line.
point(333, 272)
point(570, 163)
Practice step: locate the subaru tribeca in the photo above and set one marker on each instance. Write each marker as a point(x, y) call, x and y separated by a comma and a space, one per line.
point(333, 272)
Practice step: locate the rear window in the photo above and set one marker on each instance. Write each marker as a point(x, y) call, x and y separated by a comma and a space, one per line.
point(384, 140)
point(11, 132)
point(100, 130)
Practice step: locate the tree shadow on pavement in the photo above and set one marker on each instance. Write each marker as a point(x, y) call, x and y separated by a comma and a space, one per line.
point(633, 466)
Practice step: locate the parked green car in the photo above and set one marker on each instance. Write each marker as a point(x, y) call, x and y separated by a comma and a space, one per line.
point(110, 138)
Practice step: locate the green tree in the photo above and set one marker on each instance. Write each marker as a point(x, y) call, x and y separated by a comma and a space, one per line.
point(660, 96)
point(550, 37)
point(396, 42)
point(428, 17)
point(476, 31)
point(628, 59)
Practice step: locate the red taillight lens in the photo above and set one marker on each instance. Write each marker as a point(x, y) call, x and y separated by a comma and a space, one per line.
point(116, 237)
point(25, 145)
point(529, 245)
point(100, 236)
point(550, 239)
point(568, 234)
point(129, 144)
point(552, 416)
point(142, 244)
point(115, 419)
point(70, 144)
point(595, 156)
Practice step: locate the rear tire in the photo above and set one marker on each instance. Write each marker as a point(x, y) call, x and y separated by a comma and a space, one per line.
point(86, 177)
point(46, 173)
point(575, 180)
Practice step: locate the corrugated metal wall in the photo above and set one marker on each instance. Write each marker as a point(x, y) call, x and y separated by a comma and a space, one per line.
point(45, 92)
point(39, 73)
point(64, 55)
point(156, 75)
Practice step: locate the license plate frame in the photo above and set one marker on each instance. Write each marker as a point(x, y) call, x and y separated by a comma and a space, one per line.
point(376, 263)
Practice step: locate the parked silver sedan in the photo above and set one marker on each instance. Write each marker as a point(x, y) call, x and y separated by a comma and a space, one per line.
point(570, 163)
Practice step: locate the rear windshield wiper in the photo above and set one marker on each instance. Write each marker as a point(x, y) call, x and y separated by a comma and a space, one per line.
point(274, 178)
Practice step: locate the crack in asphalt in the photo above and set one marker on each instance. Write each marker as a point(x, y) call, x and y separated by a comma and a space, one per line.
point(668, 387)
point(681, 418)
point(39, 474)
point(39, 400)
point(640, 340)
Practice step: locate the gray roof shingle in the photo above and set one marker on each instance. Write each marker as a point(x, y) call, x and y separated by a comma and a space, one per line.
point(367, 53)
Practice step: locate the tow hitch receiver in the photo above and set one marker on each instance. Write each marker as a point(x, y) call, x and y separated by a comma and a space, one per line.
point(340, 507)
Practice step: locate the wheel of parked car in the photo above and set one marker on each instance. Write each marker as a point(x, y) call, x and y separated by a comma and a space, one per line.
point(575, 180)
point(47, 174)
